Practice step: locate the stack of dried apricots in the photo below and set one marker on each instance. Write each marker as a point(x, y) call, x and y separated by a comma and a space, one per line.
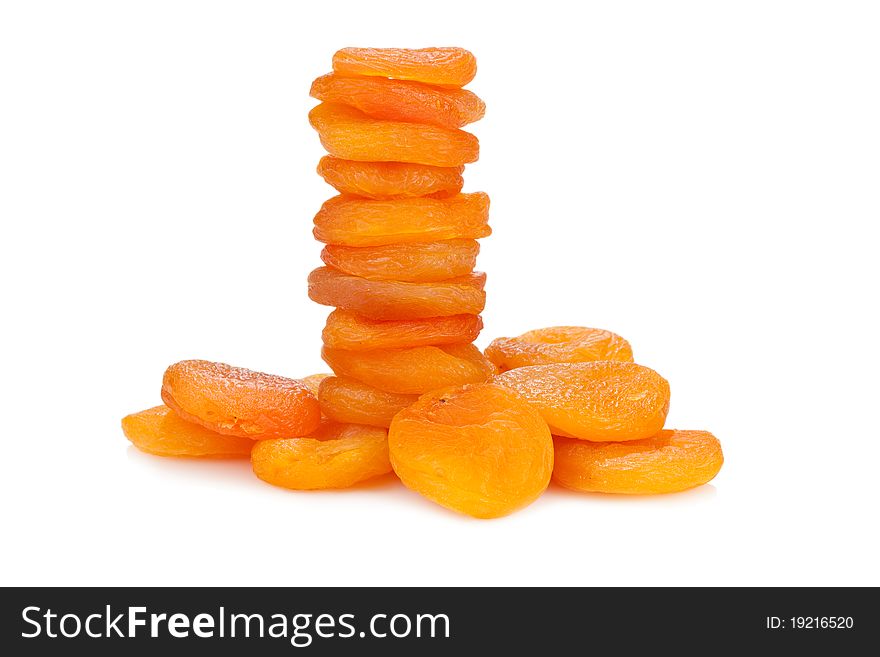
point(478, 433)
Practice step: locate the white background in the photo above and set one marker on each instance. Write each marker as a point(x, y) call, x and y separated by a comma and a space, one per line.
point(700, 177)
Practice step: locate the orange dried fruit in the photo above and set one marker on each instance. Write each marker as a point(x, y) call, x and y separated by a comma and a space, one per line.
point(161, 432)
point(352, 221)
point(388, 180)
point(414, 262)
point(336, 456)
point(558, 344)
point(478, 449)
point(452, 67)
point(668, 462)
point(395, 299)
point(239, 402)
point(599, 401)
point(313, 382)
point(401, 100)
point(348, 330)
point(412, 371)
point(350, 134)
point(347, 400)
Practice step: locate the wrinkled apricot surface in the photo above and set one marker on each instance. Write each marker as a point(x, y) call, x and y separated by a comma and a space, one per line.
point(239, 402)
point(412, 371)
point(668, 462)
point(453, 67)
point(401, 100)
point(558, 344)
point(350, 134)
point(479, 449)
point(337, 456)
point(347, 400)
point(413, 262)
point(352, 221)
point(348, 330)
point(389, 180)
point(160, 431)
point(395, 299)
point(599, 401)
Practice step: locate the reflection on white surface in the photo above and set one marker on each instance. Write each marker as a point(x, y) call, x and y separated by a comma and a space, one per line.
point(699, 494)
point(236, 474)
point(231, 472)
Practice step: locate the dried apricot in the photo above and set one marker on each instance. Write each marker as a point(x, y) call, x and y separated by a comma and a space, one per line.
point(412, 371)
point(352, 135)
point(239, 402)
point(479, 449)
point(558, 344)
point(401, 100)
point(313, 382)
point(599, 401)
point(668, 462)
point(337, 456)
point(453, 67)
point(414, 262)
point(352, 221)
point(388, 180)
point(346, 400)
point(161, 432)
point(348, 330)
point(397, 300)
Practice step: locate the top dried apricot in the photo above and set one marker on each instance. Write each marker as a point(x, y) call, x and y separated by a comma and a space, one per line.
point(448, 67)
point(598, 401)
point(239, 402)
point(558, 344)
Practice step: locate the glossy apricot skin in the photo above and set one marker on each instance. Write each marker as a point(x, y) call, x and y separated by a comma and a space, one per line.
point(668, 462)
point(393, 300)
point(411, 371)
point(477, 449)
point(558, 344)
point(351, 221)
point(235, 401)
point(348, 133)
point(598, 401)
point(160, 431)
point(401, 100)
point(338, 456)
point(346, 400)
point(390, 180)
point(413, 262)
point(348, 330)
point(450, 67)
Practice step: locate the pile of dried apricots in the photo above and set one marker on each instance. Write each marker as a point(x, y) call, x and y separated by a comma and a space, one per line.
point(479, 433)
